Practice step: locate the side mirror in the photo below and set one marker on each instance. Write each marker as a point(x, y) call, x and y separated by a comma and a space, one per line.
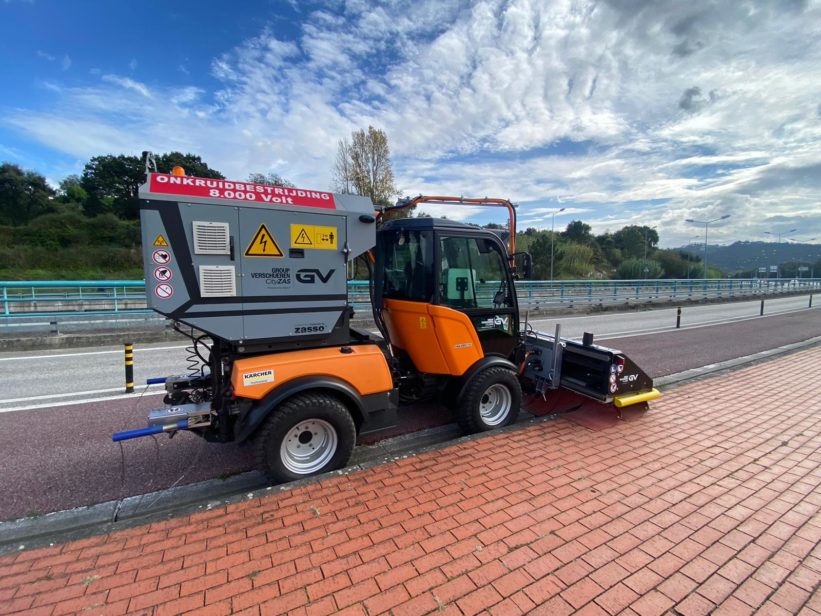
point(524, 265)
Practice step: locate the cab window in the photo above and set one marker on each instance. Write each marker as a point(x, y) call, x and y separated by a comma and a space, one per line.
point(472, 274)
point(408, 265)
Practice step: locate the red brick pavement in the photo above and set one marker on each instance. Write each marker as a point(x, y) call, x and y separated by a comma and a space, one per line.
point(707, 504)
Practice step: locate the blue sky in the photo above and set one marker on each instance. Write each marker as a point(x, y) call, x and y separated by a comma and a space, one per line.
point(642, 112)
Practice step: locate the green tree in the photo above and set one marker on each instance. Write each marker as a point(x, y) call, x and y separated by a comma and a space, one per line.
point(540, 252)
point(112, 183)
point(576, 260)
point(269, 179)
point(71, 196)
point(577, 231)
point(630, 240)
point(673, 262)
point(363, 167)
point(193, 165)
point(633, 269)
point(610, 252)
point(54, 231)
point(24, 195)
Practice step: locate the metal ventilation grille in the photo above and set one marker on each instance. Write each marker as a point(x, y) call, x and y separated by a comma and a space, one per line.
point(218, 281)
point(211, 238)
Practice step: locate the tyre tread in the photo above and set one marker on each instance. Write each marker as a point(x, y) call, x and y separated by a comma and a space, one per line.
point(467, 416)
point(282, 415)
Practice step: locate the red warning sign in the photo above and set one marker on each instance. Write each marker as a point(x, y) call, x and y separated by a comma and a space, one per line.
point(165, 183)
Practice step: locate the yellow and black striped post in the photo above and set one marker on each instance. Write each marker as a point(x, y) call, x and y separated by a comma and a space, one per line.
point(129, 367)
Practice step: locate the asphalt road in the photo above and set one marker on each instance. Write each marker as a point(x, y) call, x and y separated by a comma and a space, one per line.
point(48, 378)
point(60, 457)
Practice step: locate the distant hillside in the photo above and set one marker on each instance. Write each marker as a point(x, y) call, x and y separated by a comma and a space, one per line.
point(741, 256)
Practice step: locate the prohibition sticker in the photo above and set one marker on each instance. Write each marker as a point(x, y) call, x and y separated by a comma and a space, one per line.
point(160, 241)
point(164, 291)
point(163, 274)
point(161, 257)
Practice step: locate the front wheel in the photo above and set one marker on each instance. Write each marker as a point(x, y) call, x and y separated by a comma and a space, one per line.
point(309, 434)
point(491, 400)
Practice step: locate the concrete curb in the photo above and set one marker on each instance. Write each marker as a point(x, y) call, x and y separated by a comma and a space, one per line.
point(71, 524)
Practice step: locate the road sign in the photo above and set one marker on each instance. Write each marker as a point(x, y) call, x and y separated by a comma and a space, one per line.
point(803, 268)
point(762, 270)
point(773, 269)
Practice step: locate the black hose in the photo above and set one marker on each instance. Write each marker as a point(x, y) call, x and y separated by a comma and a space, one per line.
point(377, 315)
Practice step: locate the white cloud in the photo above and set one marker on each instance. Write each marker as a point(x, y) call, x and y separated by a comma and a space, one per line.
point(129, 84)
point(65, 61)
point(647, 111)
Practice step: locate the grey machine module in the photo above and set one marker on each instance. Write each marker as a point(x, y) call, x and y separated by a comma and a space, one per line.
point(252, 264)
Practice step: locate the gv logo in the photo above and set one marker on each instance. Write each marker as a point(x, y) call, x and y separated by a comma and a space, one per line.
point(309, 276)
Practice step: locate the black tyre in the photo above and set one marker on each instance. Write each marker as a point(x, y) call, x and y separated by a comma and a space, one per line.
point(491, 400)
point(306, 435)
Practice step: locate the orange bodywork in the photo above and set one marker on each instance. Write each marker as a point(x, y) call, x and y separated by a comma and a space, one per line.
point(439, 340)
point(364, 368)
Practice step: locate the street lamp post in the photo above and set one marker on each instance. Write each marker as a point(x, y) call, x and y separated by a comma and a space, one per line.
point(778, 243)
point(706, 224)
point(552, 233)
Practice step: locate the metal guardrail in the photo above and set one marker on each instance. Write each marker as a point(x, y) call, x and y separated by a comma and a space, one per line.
point(55, 298)
point(70, 297)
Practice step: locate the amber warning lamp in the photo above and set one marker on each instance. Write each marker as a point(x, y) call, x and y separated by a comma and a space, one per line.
point(178, 171)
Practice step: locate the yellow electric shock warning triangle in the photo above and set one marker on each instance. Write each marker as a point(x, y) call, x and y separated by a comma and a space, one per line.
point(160, 241)
point(302, 239)
point(263, 245)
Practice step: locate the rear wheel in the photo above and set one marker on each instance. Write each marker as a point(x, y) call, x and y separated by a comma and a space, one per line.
point(308, 434)
point(491, 400)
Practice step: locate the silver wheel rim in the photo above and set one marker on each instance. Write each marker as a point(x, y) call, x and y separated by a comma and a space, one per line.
point(495, 403)
point(308, 446)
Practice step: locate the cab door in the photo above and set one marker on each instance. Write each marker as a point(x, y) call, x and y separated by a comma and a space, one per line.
point(473, 277)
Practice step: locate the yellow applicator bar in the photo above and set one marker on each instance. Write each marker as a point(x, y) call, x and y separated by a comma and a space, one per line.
point(628, 399)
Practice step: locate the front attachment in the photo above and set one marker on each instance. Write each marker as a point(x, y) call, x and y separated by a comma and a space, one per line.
point(569, 375)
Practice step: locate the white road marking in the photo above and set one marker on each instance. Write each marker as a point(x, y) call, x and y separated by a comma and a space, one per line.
point(136, 350)
point(666, 328)
point(90, 392)
point(51, 405)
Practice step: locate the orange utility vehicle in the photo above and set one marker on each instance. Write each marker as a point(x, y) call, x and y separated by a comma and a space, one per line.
point(256, 276)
